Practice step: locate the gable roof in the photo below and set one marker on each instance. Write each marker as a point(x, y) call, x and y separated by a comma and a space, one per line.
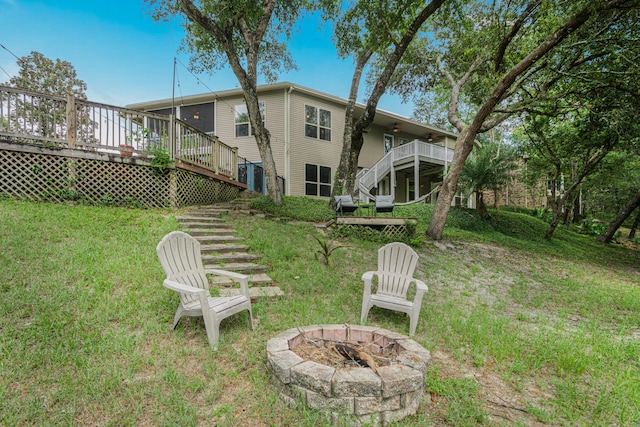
point(382, 118)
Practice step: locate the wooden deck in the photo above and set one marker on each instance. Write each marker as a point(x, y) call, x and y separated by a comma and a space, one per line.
point(371, 221)
point(387, 225)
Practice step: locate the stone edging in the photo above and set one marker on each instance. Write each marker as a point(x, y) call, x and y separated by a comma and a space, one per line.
point(364, 396)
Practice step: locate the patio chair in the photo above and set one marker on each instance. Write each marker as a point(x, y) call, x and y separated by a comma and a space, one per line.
point(344, 204)
point(396, 263)
point(181, 260)
point(384, 204)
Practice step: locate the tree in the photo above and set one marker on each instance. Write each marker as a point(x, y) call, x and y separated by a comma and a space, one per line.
point(573, 148)
point(369, 30)
point(247, 35)
point(624, 213)
point(47, 117)
point(488, 169)
point(489, 53)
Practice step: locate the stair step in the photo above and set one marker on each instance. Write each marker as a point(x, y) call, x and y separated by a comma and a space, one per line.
point(216, 212)
point(221, 248)
point(216, 240)
point(206, 226)
point(257, 292)
point(254, 279)
point(241, 257)
point(211, 232)
point(240, 267)
point(203, 218)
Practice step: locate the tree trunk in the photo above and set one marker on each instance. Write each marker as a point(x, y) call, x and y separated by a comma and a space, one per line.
point(344, 173)
point(634, 227)
point(463, 147)
point(624, 213)
point(481, 207)
point(348, 168)
point(248, 78)
point(577, 210)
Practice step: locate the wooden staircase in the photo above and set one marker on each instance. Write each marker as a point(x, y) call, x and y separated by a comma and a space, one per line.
point(222, 249)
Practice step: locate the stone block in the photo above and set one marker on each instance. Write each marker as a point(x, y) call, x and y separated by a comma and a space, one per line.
point(361, 333)
point(334, 332)
point(407, 344)
point(400, 379)
point(411, 400)
point(281, 363)
point(277, 344)
point(370, 405)
point(419, 361)
point(340, 404)
point(313, 376)
point(356, 382)
point(314, 331)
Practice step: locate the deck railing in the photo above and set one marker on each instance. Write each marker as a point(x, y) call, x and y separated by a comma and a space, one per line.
point(423, 151)
point(68, 122)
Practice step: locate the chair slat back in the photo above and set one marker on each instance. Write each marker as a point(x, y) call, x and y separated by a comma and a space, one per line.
point(181, 261)
point(396, 264)
point(384, 201)
point(345, 200)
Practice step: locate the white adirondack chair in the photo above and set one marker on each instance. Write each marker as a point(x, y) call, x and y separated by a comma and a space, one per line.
point(181, 260)
point(396, 263)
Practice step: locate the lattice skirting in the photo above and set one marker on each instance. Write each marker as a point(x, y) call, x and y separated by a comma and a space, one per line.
point(391, 231)
point(57, 178)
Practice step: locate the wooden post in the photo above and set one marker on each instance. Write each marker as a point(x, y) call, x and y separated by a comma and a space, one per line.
point(234, 163)
point(173, 188)
point(71, 120)
point(172, 136)
point(71, 141)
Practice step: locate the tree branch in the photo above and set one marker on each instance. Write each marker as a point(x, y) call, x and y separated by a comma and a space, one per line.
point(517, 25)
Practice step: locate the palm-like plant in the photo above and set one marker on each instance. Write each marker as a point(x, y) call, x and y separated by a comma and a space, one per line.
point(487, 169)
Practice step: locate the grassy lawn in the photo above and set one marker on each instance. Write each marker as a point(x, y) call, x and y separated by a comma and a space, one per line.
point(522, 331)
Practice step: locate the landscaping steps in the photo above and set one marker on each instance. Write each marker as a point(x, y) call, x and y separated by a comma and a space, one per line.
point(222, 249)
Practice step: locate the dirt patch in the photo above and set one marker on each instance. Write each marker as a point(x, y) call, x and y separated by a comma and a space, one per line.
point(501, 402)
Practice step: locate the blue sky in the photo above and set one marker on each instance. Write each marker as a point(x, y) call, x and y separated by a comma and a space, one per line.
point(124, 56)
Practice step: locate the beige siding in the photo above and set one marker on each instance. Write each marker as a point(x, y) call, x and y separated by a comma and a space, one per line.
point(311, 150)
point(247, 147)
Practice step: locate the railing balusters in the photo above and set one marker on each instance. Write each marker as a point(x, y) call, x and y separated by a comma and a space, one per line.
point(40, 117)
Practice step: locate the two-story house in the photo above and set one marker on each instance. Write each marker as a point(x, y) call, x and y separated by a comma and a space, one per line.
point(401, 157)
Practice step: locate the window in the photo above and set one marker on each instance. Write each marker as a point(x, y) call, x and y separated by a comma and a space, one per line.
point(243, 127)
point(317, 123)
point(317, 180)
point(403, 141)
point(388, 143)
point(199, 116)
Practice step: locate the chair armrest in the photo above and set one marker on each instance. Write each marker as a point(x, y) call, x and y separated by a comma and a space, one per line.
point(243, 279)
point(230, 274)
point(421, 286)
point(182, 288)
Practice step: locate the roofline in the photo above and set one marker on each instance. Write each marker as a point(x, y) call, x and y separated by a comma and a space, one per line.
point(208, 96)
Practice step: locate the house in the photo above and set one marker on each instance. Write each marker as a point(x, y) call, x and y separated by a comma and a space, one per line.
point(400, 156)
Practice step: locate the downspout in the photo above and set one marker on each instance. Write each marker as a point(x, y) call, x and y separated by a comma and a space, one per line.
point(416, 172)
point(287, 139)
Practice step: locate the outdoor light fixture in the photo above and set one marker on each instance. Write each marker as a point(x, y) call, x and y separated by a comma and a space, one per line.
point(395, 128)
point(196, 116)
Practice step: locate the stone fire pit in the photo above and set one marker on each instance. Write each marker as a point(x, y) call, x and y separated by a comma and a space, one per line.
point(387, 392)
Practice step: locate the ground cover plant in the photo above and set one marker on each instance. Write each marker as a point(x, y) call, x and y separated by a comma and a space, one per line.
point(522, 330)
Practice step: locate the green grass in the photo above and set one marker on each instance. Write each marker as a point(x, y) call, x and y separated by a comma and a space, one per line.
point(85, 335)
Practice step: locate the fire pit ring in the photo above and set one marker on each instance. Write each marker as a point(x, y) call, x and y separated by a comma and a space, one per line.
point(360, 394)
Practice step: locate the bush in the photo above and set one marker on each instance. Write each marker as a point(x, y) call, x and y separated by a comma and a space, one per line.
point(299, 208)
